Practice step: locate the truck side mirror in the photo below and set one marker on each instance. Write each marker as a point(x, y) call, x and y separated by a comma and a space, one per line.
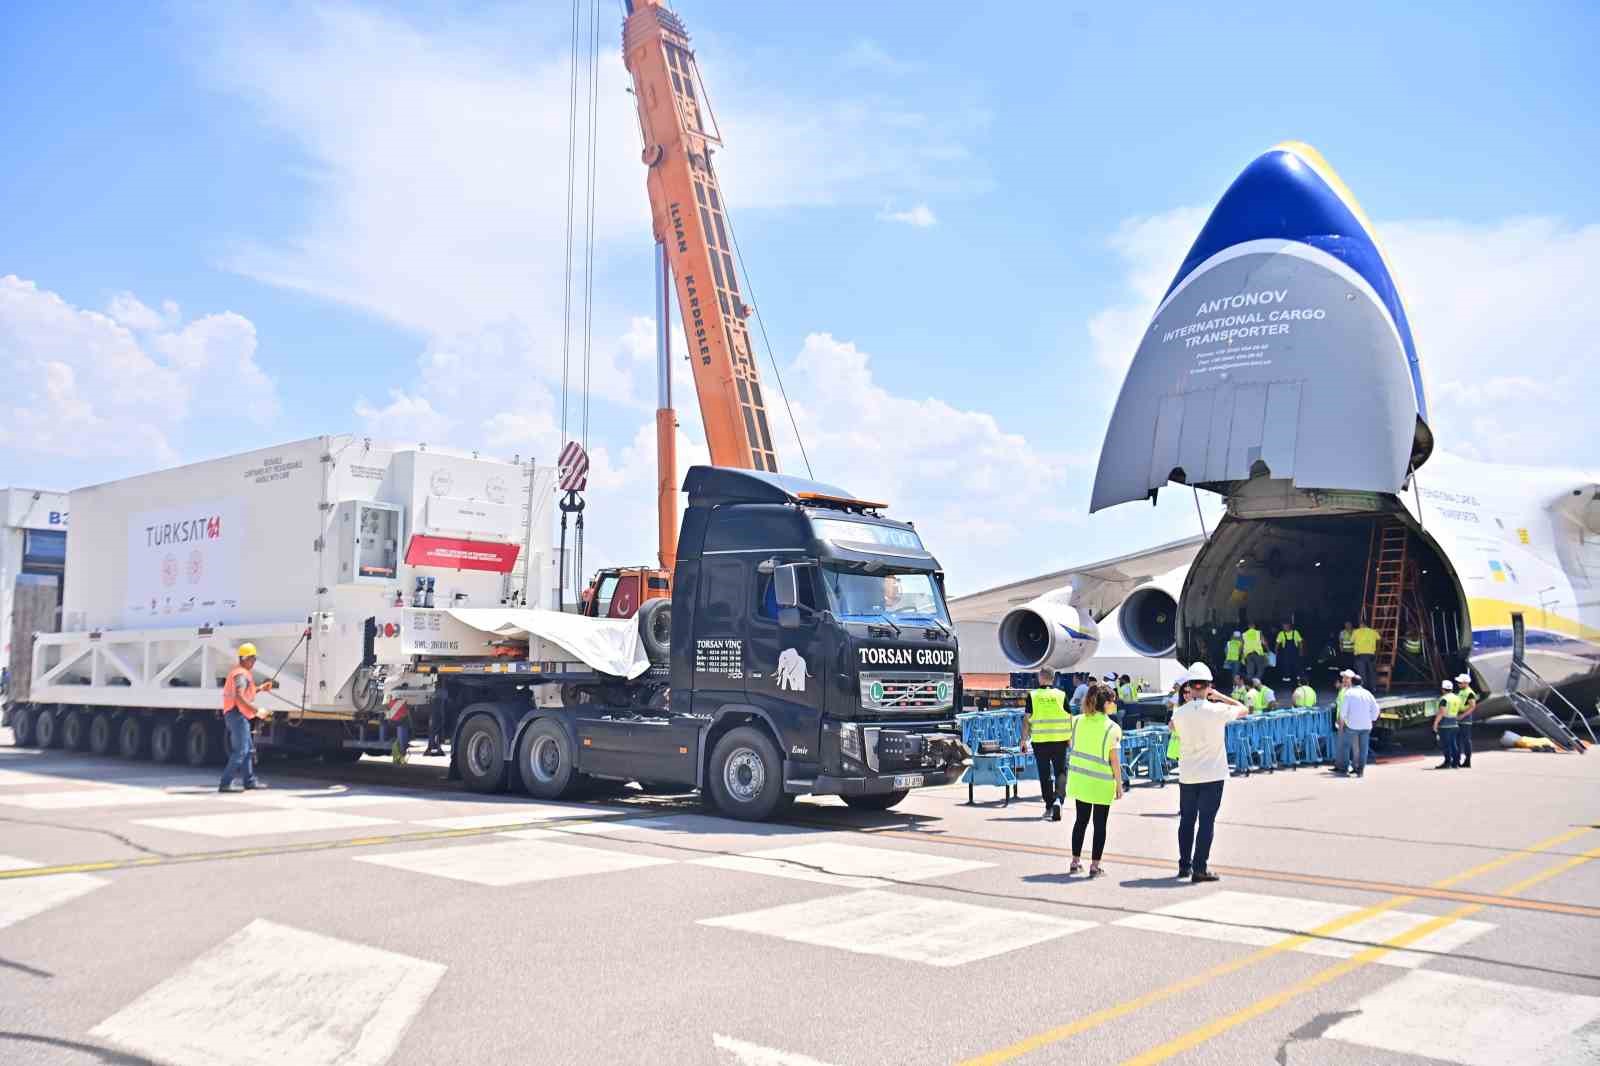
point(788, 618)
point(788, 585)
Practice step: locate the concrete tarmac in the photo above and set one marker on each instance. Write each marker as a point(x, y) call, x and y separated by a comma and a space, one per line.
point(377, 914)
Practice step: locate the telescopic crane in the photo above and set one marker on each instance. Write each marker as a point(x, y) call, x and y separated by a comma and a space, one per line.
point(694, 254)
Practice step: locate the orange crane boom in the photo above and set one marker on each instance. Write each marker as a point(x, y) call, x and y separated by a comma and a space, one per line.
point(692, 233)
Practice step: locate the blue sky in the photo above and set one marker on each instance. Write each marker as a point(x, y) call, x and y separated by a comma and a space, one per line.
point(355, 213)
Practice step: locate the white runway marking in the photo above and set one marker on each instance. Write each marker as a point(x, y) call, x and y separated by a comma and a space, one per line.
point(557, 831)
point(848, 865)
point(1237, 918)
point(931, 931)
point(517, 815)
point(323, 801)
point(748, 1054)
point(271, 995)
point(1475, 1022)
point(244, 822)
point(511, 862)
point(93, 795)
point(28, 896)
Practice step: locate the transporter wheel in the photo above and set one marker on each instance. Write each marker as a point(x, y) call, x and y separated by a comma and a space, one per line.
point(878, 801)
point(102, 732)
point(746, 775)
point(546, 761)
point(23, 727)
point(133, 737)
point(47, 729)
point(342, 756)
point(164, 740)
point(75, 731)
point(481, 755)
point(201, 743)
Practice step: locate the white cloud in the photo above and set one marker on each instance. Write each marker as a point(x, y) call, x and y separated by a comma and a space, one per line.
point(869, 55)
point(921, 216)
point(84, 384)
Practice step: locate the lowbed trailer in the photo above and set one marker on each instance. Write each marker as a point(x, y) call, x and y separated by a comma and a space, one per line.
point(806, 649)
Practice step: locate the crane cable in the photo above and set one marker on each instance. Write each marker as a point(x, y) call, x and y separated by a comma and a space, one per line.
point(766, 342)
point(566, 289)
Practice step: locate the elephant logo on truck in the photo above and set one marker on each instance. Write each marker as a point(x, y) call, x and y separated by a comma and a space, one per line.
point(791, 672)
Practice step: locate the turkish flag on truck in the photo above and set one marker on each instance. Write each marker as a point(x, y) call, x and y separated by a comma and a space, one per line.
point(453, 553)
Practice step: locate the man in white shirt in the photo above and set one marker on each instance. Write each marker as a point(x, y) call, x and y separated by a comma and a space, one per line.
point(1358, 712)
point(1078, 694)
point(1201, 723)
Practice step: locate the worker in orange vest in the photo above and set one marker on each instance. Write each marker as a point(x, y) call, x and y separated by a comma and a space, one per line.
point(238, 711)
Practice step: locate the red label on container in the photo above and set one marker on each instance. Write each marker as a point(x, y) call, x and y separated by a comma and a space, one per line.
point(452, 553)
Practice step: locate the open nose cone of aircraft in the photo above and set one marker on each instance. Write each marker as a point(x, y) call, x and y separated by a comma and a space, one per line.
point(1282, 335)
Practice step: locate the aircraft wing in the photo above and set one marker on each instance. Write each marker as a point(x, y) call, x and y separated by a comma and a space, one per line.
point(1097, 586)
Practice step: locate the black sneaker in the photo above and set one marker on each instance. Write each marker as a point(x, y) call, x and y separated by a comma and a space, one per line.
point(1184, 872)
point(226, 788)
point(1442, 766)
point(253, 785)
point(1202, 876)
point(1055, 812)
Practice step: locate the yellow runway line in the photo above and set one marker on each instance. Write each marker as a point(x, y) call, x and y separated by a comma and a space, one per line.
point(1195, 1037)
point(1127, 1007)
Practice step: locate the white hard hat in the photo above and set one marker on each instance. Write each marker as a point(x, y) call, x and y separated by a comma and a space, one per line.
point(1348, 673)
point(1447, 686)
point(1463, 679)
point(1197, 672)
point(1237, 633)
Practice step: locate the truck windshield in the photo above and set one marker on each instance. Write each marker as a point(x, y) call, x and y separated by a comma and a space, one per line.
point(901, 598)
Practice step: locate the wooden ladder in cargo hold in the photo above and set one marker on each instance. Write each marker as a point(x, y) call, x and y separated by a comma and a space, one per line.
point(1388, 574)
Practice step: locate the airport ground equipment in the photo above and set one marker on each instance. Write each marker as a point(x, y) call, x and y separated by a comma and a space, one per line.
point(995, 739)
point(807, 648)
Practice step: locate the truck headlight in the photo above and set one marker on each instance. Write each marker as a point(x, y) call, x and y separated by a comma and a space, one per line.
point(850, 741)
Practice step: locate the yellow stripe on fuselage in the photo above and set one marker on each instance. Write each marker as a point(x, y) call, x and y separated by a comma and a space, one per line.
point(1487, 613)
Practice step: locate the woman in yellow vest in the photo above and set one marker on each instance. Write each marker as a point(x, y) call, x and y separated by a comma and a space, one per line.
point(1094, 775)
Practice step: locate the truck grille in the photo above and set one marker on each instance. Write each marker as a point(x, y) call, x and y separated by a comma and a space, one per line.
point(884, 691)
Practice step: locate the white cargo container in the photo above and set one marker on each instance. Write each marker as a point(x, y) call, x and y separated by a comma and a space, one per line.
point(293, 548)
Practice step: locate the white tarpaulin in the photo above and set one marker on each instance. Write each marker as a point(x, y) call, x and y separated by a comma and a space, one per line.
point(610, 645)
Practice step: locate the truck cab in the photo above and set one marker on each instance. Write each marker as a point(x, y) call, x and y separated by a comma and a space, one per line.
point(810, 651)
point(810, 634)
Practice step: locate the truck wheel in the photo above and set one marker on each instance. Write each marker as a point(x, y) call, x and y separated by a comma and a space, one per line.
point(75, 731)
point(877, 801)
point(342, 756)
point(655, 629)
point(164, 746)
point(48, 729)
point(482, 755)
point(23, 722)
point(200, 747)
point(133, 737)
point(102, 733)
point(746, 775)
point(545, 760)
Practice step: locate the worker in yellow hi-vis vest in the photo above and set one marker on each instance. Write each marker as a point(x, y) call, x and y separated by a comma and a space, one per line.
point(1364, 641)
point(1233, 654)
point(1094, 775)
point(1255, 652)
point(1046, 730)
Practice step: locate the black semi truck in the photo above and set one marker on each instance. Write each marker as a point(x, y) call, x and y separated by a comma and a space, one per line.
point(810, 652)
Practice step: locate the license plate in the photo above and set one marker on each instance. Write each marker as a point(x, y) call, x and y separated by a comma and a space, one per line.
point(908, 781)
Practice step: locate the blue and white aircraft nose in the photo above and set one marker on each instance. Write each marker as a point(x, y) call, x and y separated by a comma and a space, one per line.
point(1281, 348)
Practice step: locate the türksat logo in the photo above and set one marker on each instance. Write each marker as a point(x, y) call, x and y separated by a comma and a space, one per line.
point(188, 531)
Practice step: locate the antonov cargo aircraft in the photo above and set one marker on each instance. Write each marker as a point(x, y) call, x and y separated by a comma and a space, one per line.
point(1279, 372)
